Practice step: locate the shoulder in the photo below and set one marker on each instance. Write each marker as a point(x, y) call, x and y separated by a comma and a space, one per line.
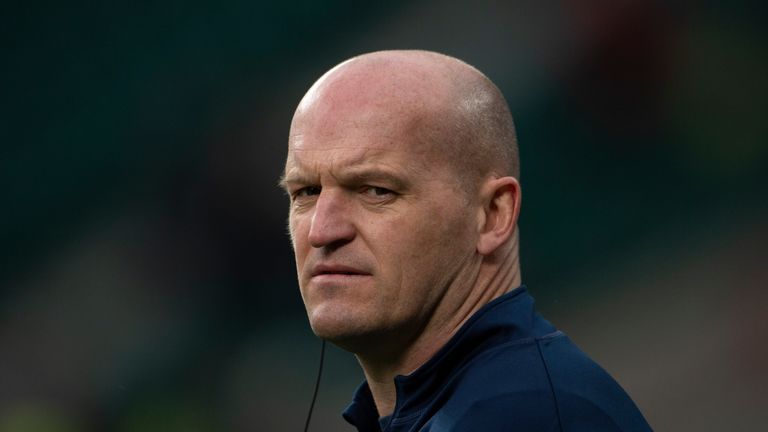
point(588, 398)
point(546, 384)
point(502, 389)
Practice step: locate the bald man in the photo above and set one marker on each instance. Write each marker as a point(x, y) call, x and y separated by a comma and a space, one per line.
point(402, 172)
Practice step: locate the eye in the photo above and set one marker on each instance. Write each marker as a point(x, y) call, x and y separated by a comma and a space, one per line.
point(306, 192)
point(378, 192)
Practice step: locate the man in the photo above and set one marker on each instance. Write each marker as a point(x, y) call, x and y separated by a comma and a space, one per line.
point(402, 172)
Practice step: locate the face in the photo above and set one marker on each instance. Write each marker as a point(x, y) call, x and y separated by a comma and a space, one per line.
point(380, 227)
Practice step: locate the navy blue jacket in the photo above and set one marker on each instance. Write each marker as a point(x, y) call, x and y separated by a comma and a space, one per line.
point(507, 369)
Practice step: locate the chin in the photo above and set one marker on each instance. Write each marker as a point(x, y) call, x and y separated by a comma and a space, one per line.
point(333, 326)
point(342, 329)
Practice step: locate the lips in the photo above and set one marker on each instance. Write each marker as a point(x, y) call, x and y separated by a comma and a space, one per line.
point(337, 270)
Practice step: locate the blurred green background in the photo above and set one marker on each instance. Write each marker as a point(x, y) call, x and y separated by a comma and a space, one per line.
point(146, 281)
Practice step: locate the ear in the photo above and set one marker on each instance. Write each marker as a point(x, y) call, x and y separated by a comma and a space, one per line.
point(501, 207)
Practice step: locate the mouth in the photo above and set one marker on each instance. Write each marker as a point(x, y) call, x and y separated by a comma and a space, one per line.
point(330, 270)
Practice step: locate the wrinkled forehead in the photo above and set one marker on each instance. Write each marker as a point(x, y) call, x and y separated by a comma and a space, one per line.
point(369, 130)
point(351, 145)
point(356, 111)
point(351, 127)
point(365, 137)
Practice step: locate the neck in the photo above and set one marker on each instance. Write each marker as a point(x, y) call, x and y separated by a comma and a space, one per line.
point(493, 277)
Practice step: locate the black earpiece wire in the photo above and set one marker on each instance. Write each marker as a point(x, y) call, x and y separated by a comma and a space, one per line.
point(317, 385)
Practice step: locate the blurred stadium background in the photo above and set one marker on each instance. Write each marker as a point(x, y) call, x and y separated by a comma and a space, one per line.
point(146, 281)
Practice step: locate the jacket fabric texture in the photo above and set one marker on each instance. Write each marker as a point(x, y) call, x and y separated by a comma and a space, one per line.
point(507, 369)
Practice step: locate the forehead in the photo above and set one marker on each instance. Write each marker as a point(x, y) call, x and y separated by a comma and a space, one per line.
point(371, 113)
point(366, 135)
point(310, 156)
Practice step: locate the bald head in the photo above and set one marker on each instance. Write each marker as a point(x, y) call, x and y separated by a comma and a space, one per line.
point(449, 108)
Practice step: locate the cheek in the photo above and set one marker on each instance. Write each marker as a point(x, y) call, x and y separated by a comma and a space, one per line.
point(298, 233)
point(418, 248)
point(440, 245)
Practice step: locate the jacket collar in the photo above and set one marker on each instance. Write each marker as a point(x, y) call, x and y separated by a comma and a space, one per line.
point(509, 317)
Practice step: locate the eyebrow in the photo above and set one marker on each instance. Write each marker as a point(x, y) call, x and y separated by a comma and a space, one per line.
point(352, 175)
point(298, 178)
point(363, 175)
point(282, 182)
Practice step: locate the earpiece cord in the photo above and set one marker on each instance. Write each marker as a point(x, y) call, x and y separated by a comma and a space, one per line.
point(317, 385)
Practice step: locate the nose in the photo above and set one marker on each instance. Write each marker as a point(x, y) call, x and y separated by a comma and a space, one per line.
point(332, 225)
